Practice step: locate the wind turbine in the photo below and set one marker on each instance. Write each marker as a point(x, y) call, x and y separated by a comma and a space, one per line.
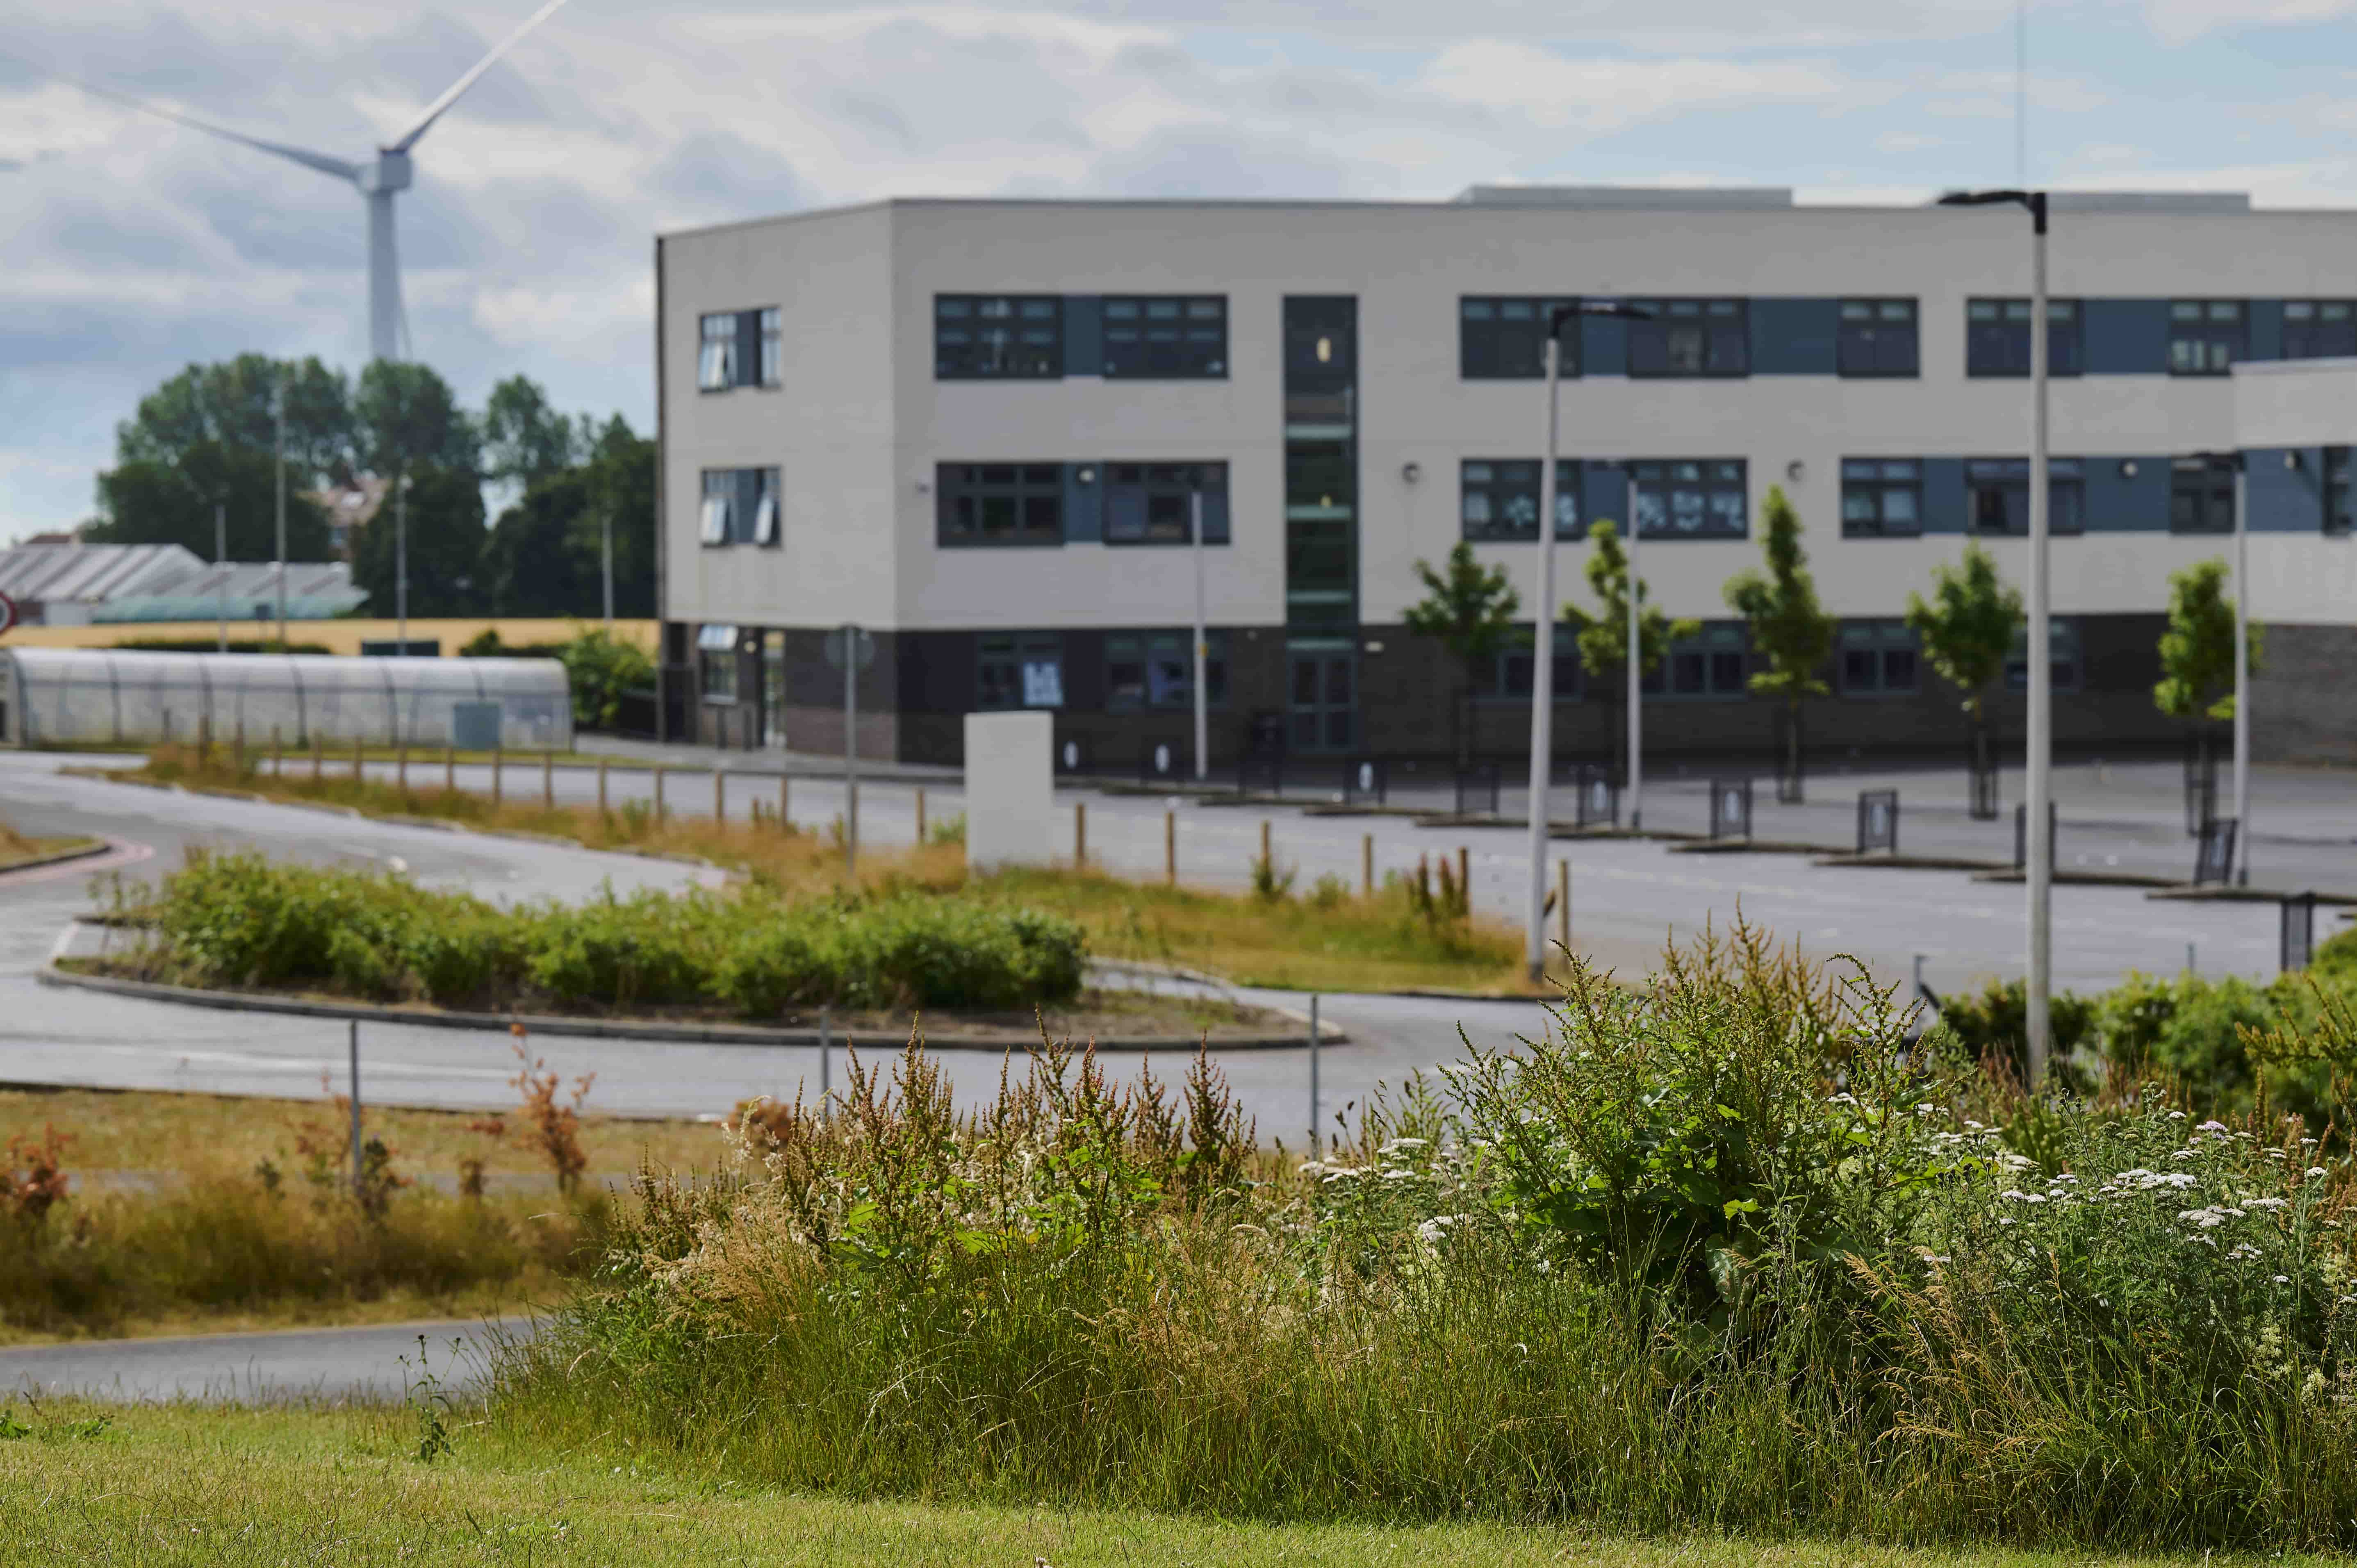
point(380, 180)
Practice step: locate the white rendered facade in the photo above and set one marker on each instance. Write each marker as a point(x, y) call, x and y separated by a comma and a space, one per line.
point(859, 425)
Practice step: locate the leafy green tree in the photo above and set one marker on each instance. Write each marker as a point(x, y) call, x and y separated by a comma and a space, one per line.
point(1967, 629)
point(152, 501)
point(2197, 651)
point(406, 416)
point(1470, 610)
point(232, 404)
point(1788, 624)
point(533, 562)
point(524, 438)
point(602, 668)
point(446, 547)
point(1603, 636)
point(621, 480)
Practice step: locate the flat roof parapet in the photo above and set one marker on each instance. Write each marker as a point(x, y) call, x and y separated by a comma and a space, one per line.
point(1658, 198)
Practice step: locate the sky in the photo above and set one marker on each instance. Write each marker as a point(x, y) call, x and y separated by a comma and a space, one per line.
point(135, 246)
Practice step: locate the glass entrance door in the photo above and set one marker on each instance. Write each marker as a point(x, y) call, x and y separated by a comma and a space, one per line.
point(773, 690)
point(1324, 698)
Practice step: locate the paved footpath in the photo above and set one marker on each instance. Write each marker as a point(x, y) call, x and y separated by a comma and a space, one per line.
point(375, 1363)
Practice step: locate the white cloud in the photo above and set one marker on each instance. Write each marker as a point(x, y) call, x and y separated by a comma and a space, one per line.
point(2184, 21)
point(1556, 92)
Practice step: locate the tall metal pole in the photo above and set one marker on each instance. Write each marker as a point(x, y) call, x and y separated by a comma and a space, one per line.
point(2241, 869)
point(850, 749)
point(1543, 673)
point(220, 584)
point(1636, 781)
point(280, 498)
point(1202, 640)
point(400, 564)
point(606, 548)
point(358, 1186)
point(2039, 876)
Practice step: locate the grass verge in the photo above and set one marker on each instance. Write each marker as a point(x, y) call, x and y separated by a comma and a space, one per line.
point(238, 1488)
point(16, 849)
point(1329, 937)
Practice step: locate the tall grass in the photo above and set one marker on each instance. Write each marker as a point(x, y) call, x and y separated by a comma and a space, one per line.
point(1734, 1254)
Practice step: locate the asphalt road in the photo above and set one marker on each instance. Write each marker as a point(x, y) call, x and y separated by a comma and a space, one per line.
point(380, 1362)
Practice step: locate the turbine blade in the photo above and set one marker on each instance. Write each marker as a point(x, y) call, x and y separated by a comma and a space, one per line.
point(434, 109)
point(339, 167)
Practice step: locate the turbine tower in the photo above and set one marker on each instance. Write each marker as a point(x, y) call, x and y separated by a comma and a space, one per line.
point(380, 180)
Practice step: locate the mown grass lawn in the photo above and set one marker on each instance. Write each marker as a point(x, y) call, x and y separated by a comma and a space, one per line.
point(185, 1485)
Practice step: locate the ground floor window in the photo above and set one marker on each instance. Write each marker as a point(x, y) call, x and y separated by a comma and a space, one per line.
point(1879, 658)
point(1508, 675)
point(1023, 670)
point(1711, 663)
point(2063, 657)
point(1148, 669)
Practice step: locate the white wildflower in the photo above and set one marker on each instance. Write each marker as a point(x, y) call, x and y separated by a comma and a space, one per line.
point(2177, 1116)
point(2315, 1172)
point(2265, 1202)
point(2212, 1127)
point(2283, 1279)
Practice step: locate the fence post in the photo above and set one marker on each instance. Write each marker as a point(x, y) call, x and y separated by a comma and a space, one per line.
point(921, 817)
point(450, 769)
point(499, 785)
point(602, 786)
point(1366, 865)
point(238, 756)
point(277, 755)
point(785, 822)
point(318, 756)
point(1465, 877)
point(1079, 834)
point(1314, 1150)
point(548, 780)
point(1170, 846)
point(1266, 858)
point(401, 768)
point(659, 794)
point(358, 753)
point(719, 796)
point(359, 1189)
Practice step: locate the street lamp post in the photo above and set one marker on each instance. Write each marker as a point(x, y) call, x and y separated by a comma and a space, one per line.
point(220, 582)
point(279, 412)
point(1543, 638)
point(1202, 646)
point(401, 565)
point(2242, 674)
point(2038, 874)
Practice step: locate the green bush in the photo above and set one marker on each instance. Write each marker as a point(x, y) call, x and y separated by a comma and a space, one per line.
point(243, 920)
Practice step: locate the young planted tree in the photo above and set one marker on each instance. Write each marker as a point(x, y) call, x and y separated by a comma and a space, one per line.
point(1470, 610)
point(1967, 629)
point(2197, 651)
point(1603, 636)
point(1788, 625)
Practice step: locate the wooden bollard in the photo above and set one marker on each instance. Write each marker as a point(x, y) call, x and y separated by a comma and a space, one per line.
point(719, 795)
point(785, 822)
point(1079, 834)
point(920, 818)
point(548, 780)
point(1170, 847)
point(602, 786)
point(1366, 865)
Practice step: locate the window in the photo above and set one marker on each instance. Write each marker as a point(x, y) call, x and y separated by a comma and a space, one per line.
point(1509, 675)
point(2320, 328)
point(1001, 503)
point(2337, 513)
point(1711, 663)
point(2062, 656)
point(2202, 495)
point(2205, 336)
point(716, 655)
point(1997, 493)
point(1166, 337)
point(1498, 499)
point(999, 337)
point(716, 362)
point(1020, 670)
point(1505, 340)
point(740, 507)
point(1156, 669)
point(1882, 497)
point(1689, 500)
point(1878, 338)
point(1879, 658)
point(1691, 338)
point(1997, 338)
point(735, 346)
point(1151, 503)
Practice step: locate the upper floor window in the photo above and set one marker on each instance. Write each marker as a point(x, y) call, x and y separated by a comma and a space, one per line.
point(1498, 499)
point(1681, 499)
point(2206, 335)
point(1166, 336)
point(999, 337)
point(2338, 496)
point(740, 507)
point(1000, 503)
point(2202, 495)
point(2064, 665)
point(1153, 503)
point(1509, 674)
point(1878, 338)
point(1879, 658)
point(1998, 494)
point(1020, 670)
point(2320, 328)
point(1504, 338)
point(1882, 497)
point(1711, 663)
point(739, 348)
point(1691, 338)
point(1997, 338)
point(1156, 669)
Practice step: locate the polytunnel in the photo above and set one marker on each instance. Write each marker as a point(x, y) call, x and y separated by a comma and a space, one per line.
point(97, 696)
